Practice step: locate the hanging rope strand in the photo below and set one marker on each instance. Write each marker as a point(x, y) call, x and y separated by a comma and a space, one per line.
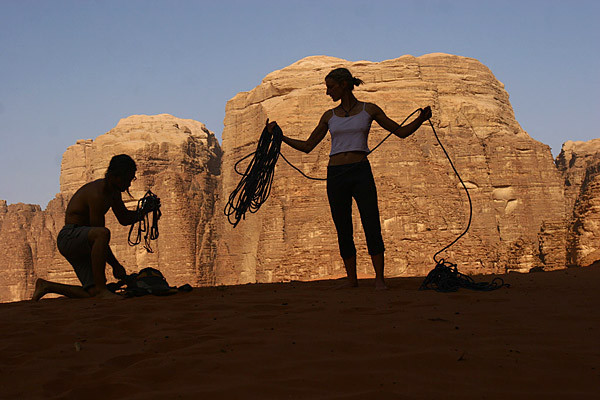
point(444, 277)
point(466, 191)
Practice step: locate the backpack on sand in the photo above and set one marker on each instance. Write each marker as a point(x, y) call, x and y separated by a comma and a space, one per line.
point(147, 281)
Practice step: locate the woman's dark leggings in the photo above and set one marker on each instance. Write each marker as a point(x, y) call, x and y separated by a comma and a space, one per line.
point(345, 182)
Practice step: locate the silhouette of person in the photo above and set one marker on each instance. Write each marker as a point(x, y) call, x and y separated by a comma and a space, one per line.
point(349, 172)
point(84, 240)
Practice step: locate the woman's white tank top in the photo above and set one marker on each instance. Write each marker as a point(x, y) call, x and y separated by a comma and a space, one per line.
point(350, 133)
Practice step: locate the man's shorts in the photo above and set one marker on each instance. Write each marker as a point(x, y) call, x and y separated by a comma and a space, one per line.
point(73, 244)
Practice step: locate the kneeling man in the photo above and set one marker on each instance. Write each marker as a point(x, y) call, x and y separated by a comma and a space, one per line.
point(84, 240)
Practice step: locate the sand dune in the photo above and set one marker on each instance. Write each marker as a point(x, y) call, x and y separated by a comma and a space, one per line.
point(301, 340)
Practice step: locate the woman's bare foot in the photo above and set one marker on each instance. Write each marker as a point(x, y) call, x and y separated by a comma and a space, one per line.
point(380, 285)
point(41, 289)
point(348, 283)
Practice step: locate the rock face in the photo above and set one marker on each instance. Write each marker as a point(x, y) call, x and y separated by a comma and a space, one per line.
point(528, 210)
point(579, 164)
point(28, 247)
point(518, 202)
point(178, 159)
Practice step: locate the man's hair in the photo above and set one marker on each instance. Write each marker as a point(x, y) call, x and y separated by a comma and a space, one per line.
point(120, 165)
point(343, 75)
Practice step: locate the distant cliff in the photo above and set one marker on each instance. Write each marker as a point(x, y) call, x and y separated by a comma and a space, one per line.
point(579, 164)
point(529, 210)
point(177, 159)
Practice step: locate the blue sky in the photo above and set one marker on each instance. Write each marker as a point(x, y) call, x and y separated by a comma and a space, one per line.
point(71, 69)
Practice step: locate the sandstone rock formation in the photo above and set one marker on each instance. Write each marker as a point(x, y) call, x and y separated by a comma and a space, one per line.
point(517, 193)
point(527, 211)
point(178, 159)
point(579, 163)
point(28, 247)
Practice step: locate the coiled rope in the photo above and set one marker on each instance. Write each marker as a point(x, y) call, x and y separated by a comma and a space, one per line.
point(446, 278)
point(255, 186)
point(149, 204)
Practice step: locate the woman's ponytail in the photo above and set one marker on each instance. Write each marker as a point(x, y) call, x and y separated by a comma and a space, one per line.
point(343, 75)
point(357, 81)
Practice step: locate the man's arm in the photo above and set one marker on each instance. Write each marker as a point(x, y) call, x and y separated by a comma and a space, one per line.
point(118, 270)
point(401, 131)
point(124, 216)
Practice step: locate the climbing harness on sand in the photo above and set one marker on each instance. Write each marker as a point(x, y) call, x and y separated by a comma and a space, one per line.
point(149, 204)
point(255, 186)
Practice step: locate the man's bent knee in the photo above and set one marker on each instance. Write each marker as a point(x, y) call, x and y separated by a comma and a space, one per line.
point(100, 234)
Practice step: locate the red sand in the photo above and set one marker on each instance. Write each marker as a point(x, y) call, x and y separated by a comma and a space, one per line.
point(538, 339)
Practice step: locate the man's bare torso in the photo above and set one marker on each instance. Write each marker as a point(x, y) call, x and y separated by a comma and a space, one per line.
point(89, 204)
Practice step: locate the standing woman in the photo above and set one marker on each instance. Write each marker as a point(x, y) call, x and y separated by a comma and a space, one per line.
point(349, 172)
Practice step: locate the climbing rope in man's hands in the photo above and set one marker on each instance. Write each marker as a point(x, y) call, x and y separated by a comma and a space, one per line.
point(149, 204)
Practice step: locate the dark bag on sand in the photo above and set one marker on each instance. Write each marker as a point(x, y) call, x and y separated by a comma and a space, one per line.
point(147, 281)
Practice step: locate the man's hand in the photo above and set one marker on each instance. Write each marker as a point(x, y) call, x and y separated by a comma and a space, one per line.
point(425, 114)
point(119, 272)
point(150, 205)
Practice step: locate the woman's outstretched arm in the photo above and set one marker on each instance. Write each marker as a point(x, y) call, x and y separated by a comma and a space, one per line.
point(401, 131)
point(313, 140)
